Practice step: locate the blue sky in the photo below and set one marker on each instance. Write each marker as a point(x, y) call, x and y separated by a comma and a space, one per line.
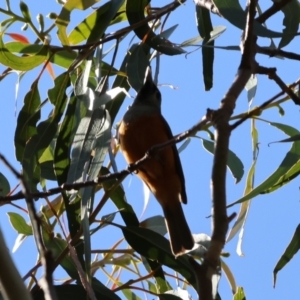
point(272, 218)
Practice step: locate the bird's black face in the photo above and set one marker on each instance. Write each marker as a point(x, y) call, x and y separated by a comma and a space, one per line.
point(149, 91)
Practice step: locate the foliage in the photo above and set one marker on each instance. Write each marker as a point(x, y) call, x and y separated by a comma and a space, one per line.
point(74, 147)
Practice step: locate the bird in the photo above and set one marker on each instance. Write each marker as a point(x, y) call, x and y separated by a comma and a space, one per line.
point(142, 127)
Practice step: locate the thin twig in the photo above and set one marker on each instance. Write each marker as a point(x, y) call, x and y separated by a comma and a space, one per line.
point(271, 72)
point(277, 52)
point(220, 119)
point(275, 8)
point(46, 258)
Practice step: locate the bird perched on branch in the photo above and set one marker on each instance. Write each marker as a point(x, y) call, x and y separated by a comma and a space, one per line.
point(143, 127)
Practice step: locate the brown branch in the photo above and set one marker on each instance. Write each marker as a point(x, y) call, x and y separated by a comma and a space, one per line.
point(46, 257)
point(277, 52)
point(220, 119)
point(255, 112)
point(119, 33)
point(271, 72)
point(275, 8)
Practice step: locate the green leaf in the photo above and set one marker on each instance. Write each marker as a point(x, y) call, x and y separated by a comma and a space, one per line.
point(135, 14)
point(136, 67)
point(56, 246)
point(234, 164)
point(155, 247)
point(129, 294)
point(293, 138)
point(64, 143)
point(63, 20)
point(120, 81)
point(204, 26)
point(155, 223)
point(62, 58)
point(289, 164)
point(118, 197)
point(232, 11)
point(19, 224)
point(27, 120)
point(292, 248)
point(102, 292)
point(226, 270)
point(84, 143)
point(24, 63)
point(4, 186)
point(100, 133)
point(291, 20)
point(240, 294)
point(46, 163)
point(191, 42)
point(46, 131)
point(76, 292)
point(94, 26)
point(25, 11)
point(130, 219)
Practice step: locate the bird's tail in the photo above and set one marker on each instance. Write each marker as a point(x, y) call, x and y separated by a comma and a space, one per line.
point(181, 238)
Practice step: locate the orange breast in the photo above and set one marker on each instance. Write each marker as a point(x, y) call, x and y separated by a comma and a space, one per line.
point(159, 173)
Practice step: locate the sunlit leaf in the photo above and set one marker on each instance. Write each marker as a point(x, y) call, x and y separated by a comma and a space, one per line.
point(226, 270)
point(19, 224)
point(93, 27)
point(24, 63)
point(63, 19)
point(240, 294)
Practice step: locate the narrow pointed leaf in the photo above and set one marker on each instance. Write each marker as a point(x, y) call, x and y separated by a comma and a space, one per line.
point(46, 131)
point(93, 27)
point(155, 247)
point(19, 224)
point(27, 120)
point(204, 26)
point(136, 67)
point(135, 14)
point(63, 143)
point(292, 248)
